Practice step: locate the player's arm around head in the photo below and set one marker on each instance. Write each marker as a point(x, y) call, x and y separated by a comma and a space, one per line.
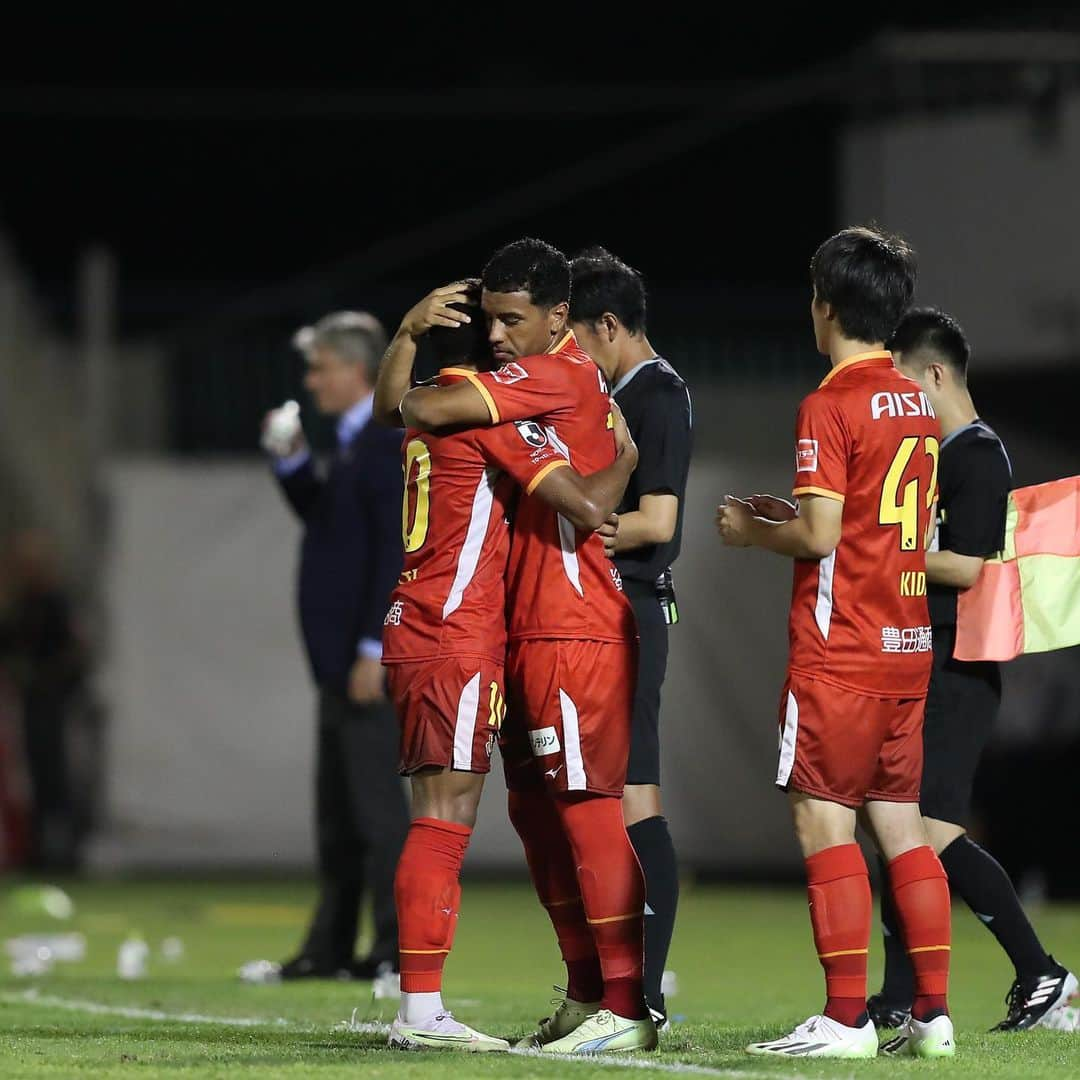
point(525, 294)
point(428, 408)
point(813, 534)
point(440, 308)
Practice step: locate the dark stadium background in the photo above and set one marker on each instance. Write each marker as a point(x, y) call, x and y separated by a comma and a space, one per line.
point(250, 169)
point(170, 138)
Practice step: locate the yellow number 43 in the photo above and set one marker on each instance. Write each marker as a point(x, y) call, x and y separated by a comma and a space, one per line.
point(903, 508)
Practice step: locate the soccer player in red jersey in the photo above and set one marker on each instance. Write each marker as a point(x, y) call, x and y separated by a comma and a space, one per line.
point(851, 712)
point(445, 635)
point(571, 660)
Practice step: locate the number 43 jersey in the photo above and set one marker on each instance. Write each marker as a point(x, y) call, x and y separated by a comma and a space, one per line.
point(459, 488)
point(868, 438)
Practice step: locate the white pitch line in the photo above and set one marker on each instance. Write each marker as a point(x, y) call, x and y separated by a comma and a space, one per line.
point(32, 997)
point(614, 1062)
point(367, 1027)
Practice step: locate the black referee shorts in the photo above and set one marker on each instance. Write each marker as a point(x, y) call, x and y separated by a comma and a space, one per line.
point(644, 765)
point(961, 709)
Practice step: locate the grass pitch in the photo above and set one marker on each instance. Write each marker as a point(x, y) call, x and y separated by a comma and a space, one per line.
point(744, 959)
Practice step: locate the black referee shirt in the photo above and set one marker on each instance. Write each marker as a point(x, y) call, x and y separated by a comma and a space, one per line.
point(656, 404)
point(975, 477)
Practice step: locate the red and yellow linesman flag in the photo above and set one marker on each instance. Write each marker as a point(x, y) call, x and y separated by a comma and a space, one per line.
point(1027, 598)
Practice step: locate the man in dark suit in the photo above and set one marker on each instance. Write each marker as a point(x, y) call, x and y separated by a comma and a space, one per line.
point(350, 561)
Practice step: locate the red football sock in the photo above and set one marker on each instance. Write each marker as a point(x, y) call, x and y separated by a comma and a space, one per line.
point(554, 876)
point(427, 892)
point(838, 887)
point(921, 895)
point(613, 891)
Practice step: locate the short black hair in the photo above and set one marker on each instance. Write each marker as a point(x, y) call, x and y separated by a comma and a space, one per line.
point(932, 328)
point(868, 276)
point(602, 282)
point(531, 266)
point(465, 344)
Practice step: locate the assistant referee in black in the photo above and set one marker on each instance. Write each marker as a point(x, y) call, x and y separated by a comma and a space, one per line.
point(974, 477)
point(607, 312)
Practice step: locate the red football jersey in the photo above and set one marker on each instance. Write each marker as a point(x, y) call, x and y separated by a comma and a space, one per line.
point(560, 584)
point(451, 597)
point(868, 437)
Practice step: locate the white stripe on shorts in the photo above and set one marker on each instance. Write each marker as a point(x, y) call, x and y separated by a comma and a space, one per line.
point(465, 727)
point(575, 766)
point(788, 740)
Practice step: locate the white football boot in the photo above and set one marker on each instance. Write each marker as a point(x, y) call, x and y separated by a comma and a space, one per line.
point(605, 1033)
point(822, 1037)
point(929, 1039)
point(566, 1018)
point(442, 1032)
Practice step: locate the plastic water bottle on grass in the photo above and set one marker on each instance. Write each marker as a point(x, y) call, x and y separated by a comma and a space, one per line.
point(132, 958)
point(172, 950)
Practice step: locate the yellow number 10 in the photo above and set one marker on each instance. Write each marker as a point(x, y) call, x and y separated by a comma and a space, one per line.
point(903, 509)
point(417, 456)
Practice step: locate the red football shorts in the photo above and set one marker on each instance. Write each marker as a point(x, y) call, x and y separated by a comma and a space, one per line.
point(569, 705)
point(849, 748)
point(449, 712)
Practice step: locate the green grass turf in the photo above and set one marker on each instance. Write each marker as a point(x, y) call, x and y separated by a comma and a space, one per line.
point(744, 960)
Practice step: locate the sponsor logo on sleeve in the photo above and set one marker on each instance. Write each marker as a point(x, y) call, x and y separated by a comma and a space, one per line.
point(393, 616)
point(806, 455)
point(544, 741)
point(533, 434)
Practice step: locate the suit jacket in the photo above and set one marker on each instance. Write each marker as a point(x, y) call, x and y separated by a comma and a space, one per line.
point(351, 555)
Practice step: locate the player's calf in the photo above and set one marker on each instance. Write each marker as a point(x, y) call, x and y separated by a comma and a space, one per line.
point(554, 876)
point(921, 894)
point(613, 894)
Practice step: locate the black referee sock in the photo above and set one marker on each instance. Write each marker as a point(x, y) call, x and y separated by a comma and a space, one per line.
point(898, 986)
point(981, 880)
point(656, 853)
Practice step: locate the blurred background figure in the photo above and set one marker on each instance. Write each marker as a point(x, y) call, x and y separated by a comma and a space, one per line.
point(45, 660)
point(350, 560)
